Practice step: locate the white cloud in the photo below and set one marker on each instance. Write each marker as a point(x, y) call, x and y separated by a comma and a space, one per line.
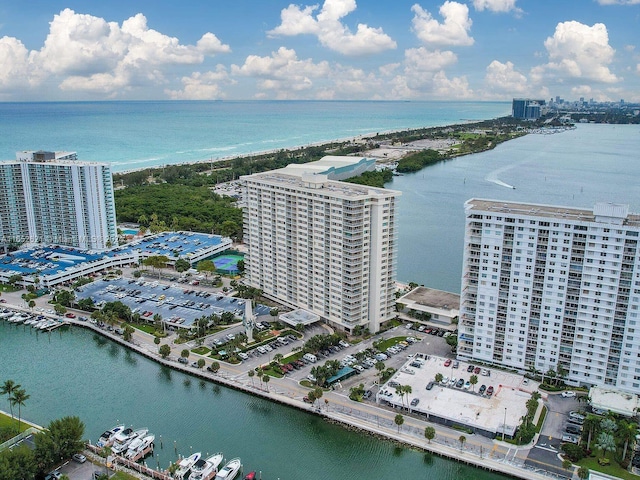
point(90, 54)
point(453, 31)
point(581, 90)
point(502, 78)
point(202, 86)
point(282, 72)
point(421, 60)
point(329, 29)
point(13, 58)
point(498, 6)
point(577, 51)
point(619, 2)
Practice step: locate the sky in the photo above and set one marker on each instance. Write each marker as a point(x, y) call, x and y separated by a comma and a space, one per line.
point(484, 50)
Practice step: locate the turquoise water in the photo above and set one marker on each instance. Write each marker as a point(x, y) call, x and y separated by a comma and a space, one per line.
point(143, 134)
point(76, 372)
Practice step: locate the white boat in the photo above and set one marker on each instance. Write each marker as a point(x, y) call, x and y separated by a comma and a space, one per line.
point(121, 448)
point(109, 435)
point(184, 465)
point(230, 470)
point(122, 440)
point(206, 469)
point(139, 445)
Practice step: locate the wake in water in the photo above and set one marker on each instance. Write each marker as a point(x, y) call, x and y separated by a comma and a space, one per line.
point(493, 176)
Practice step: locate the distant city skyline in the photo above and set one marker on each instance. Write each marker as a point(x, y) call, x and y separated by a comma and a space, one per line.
point(331, 50)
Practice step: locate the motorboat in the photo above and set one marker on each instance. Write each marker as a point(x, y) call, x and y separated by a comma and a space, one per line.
point(122, 440)
point(107, 437)
point(250, 476)
point(139, 445)
point(184, 465)
point(135, 444)
point(206, 469)
point(119, 448)
point(230, 470)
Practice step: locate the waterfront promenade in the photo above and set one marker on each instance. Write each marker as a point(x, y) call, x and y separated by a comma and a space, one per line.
point(378, 421)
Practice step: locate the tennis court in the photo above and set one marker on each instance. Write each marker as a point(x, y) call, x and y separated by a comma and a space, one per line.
point(227, 263)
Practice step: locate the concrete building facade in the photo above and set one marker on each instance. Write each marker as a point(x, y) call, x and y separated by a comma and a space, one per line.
point(52, 198)
point(526, 108)
point(548, 287)
point(325, 246)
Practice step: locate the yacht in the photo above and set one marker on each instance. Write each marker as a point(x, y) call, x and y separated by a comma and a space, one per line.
point(139, 445)
point(107, 437)
point(206, 469)
point(184, 465)
point(230, 470)
point(122, 440)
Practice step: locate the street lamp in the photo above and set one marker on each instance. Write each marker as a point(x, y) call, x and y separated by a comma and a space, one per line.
point(504, 425)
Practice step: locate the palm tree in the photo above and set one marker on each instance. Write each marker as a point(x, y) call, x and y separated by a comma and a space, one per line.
point(406, 389)
point(251, 374)
point(398, 420)
point(380, 366)
point(592, 424)
point(627, 432)
point(462, 439)
point(19, 397)
point(429, 433)
point(266, 379)
point(8, 388)
point(605, 443)
point(278, 357)
point(583, 473)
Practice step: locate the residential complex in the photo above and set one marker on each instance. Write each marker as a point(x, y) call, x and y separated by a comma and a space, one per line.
point(322, 245)
point(52, 198)
point(547, 287)
point(527, 108)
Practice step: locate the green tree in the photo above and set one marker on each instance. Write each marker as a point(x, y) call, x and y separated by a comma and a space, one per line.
point(473, 380)
point(398, 420)
point(605, 443)
point(215, 367)
point(165, 350)
point(439, 377)
point(626, 433)
point(18, 464)
point(14, 279)
point(429, 433)
point(61, 439)
point(251, 374)
point(206, 266)
point(462, 439)
point(266, 379)
point(64, 297)
point(182, 265)
point(60, 309)
point(19, 397)
point(567, 464)
point(583, 473)
point(128, 332)
point(9, 388)
point(380, 366)
point(452, 341)
point(592, 425)
point(201, 363)
point(185, 353)
point(156, 340)
point(156, 262)
point(32, 304)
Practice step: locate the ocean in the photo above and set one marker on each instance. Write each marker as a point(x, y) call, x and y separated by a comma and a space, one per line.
point(133, 135)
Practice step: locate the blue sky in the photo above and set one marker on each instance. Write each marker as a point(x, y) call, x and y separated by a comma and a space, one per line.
point(331, 50)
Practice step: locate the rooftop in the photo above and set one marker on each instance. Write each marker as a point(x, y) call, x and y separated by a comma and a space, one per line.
point(614, 400)
point(554, 211)
point(431, 297)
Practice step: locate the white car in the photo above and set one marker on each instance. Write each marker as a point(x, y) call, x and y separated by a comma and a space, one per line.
point(568, 394)
point(78, 457)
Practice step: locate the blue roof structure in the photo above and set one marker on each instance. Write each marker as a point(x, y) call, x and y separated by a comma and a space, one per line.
point(170, 243)
point(342, 374)
point(47, 260)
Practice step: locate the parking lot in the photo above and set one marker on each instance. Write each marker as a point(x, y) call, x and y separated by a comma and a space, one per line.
point(178, 304)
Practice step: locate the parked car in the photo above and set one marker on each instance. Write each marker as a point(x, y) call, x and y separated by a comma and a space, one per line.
point(566, 437)
point(430, 385)
point(78, 457)
point(470, 368)
point(477, 370)
point(447, 362)
point(460, 383)
point(482, 389)
point(367, 394)
point(490, 390)
point(568, 394)
point(576, 415)
point(573, 429)
point(415, 402)
point(456, 364)
point(183, 360)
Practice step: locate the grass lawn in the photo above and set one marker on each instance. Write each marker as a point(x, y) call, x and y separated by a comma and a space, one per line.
point(612, 469)
point(6, 422)
point(145, 327)
point(123, 476)
point(201, 350)
point(389, 342)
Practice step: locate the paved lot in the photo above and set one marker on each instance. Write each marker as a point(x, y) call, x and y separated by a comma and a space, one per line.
point(179, 304)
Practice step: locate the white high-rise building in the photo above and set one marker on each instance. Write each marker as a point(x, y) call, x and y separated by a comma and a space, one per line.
point(548, 287)
point(52, 198)
point(321, 245)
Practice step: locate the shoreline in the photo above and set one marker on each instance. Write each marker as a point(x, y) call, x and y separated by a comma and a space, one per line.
point(351, 139)
point(346, 418)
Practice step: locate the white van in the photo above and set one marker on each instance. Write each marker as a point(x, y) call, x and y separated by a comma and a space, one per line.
point(310, 357)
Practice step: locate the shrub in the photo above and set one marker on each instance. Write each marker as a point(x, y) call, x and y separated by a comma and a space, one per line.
point(574, 452)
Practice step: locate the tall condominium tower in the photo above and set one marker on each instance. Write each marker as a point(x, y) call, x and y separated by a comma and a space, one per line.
point(321, 245)
point(52, 198)
point(548, 287)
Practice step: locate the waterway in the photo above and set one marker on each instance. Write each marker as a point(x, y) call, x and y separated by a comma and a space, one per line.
point(577, 168)
point(77, 372)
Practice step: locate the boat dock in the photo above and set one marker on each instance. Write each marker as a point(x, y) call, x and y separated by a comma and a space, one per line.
point(133, 465)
